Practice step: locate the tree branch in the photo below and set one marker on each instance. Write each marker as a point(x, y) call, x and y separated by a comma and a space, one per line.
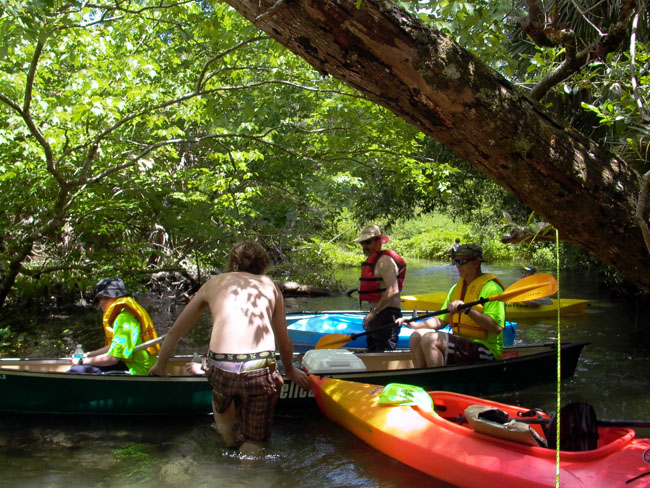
point(27, 117)
point(572, 63)
point(200, 82)
point(640, 210)
point(550, 36)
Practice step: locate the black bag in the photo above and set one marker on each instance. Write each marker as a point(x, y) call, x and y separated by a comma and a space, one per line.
point(578, 428)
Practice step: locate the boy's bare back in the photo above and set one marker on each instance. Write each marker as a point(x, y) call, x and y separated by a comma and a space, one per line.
point(243, 307)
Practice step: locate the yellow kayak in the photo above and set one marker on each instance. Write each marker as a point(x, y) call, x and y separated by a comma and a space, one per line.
point(514, 311)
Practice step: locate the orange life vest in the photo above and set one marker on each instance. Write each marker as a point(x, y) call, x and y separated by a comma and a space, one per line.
point(147, 330)
point(369, 285)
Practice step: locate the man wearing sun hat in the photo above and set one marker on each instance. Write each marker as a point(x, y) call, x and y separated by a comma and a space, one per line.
point(477, 330)
point(382, 278)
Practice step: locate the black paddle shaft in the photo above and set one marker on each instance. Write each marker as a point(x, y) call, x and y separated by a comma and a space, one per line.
point(480, 301)
point(601, 422)
point(547, 420)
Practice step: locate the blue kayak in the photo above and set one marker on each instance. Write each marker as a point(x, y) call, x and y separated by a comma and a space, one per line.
point(307, 328)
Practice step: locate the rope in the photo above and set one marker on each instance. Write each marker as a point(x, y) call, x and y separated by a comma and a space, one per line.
point(559, 364)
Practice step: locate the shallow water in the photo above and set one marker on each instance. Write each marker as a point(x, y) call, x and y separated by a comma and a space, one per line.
point(306, 450)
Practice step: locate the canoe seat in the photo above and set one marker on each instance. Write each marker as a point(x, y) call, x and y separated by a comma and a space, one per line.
point(495, 422)
point(578, 428)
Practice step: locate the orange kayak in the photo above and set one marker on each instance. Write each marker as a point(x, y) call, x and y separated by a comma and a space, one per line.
point(430, 441)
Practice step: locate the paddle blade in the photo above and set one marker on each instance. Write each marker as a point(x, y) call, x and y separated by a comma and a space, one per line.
point(529, 288)
point(332, 341)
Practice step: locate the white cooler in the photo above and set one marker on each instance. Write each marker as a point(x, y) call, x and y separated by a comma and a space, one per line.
point(322, 361)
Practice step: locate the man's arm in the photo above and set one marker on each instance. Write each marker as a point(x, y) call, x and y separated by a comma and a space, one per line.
point(432, 323)
point(484, 320)
point(98, 360)
point(126, 331)
point(97, 352)
point(493, 316)
point(435, 323)
point(183, 323)
point(279, 326)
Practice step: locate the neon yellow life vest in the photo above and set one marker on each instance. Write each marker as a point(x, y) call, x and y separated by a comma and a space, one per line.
point(147, 330)
point(462, 323)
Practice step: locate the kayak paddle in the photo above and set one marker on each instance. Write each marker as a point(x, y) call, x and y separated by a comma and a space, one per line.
point(145, 345)
point(529, 288)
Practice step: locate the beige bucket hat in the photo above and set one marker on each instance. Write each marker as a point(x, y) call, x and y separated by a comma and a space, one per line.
point(370, 231)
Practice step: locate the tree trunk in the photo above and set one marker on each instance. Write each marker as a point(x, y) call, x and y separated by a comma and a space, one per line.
point(585, 192)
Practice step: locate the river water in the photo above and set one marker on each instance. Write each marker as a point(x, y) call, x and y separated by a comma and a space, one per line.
point(306, 450)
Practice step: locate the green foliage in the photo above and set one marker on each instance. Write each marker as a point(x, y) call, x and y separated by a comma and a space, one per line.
point(543, 257)
point(315, 263)
point(320, 256)
point(139, 136)
point(15, 332)
point(159, 133)
point(428, 236)
point(9, 338)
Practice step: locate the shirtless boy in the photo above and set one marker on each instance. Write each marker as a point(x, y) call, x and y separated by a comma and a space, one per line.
point(248, 318)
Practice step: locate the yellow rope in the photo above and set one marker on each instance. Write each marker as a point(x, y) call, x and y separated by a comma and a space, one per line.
point(558, 403)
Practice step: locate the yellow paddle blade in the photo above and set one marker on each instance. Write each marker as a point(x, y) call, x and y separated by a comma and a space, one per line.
point(529, 288)
point(332, 341)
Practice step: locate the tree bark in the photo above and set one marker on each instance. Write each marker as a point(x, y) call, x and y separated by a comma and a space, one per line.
point(584, 191)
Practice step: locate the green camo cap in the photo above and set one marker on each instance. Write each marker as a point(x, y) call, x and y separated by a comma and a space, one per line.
point(471, 250)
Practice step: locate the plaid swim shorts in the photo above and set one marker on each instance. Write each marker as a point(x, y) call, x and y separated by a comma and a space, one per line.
point(255, 393)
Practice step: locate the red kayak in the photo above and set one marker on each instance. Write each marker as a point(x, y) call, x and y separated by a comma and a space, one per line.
point(440, 441)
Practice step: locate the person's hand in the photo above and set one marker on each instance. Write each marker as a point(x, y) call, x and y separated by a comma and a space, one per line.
point(454, 306)
point(195, 369)
point(300, 378)
point(404, 321)
point(158, 370)
point(366, 320)
point(77, 362)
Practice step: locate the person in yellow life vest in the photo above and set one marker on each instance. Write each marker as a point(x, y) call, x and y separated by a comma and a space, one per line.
point(477, 331)
point(126, 325)
point(382, 279)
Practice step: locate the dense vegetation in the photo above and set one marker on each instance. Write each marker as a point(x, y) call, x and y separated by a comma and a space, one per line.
point(143, 137)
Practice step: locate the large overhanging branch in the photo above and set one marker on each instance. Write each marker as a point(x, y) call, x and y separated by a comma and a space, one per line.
point(433, 83)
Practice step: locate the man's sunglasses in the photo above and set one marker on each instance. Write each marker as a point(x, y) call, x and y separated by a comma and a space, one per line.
point(460, 262)
point(367, 242)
